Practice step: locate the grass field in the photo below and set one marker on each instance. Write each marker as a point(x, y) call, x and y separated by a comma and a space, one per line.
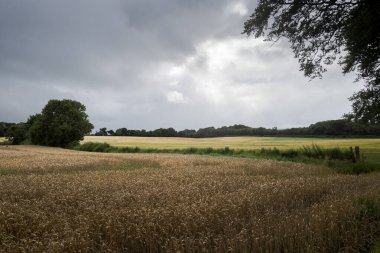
point(56, 200)
point(369, 147)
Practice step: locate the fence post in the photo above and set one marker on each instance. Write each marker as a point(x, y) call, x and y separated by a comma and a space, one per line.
point(352, 155)
point(357, 153)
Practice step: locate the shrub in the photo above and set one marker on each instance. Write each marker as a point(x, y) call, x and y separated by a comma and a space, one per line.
point(363, 167)
point(313, 151)
point(93, 147)
point(290, 153)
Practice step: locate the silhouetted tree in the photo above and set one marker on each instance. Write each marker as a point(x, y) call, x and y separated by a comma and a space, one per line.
point(366, 106)
point(321, 31)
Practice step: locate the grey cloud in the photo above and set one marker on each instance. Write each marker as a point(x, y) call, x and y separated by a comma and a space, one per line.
point(115, 56)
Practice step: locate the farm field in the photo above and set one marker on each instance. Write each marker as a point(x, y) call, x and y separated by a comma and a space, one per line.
point(369, 147)
point(56, 200)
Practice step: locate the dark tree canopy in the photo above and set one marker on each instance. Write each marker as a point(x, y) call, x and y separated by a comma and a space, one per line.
point(61, 123)
point(341, 127)
point(321, 31)
point(102, 132)
point(17, 133)
point(4, 127)
point(366, 106)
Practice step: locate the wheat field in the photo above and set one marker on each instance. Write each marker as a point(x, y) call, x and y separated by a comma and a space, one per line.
point(55, 200)
point(233, 142)
point(370, 147)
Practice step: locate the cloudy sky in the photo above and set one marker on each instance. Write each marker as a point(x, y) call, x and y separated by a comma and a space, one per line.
point(150, 64)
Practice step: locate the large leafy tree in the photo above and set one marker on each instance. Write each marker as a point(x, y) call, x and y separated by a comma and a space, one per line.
point(61, 123)
point(321, 32)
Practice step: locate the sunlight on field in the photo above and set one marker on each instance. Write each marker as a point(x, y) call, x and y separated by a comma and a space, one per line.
point(2, 139)
point(370, 147)
point(56, 200)
point(232, 142)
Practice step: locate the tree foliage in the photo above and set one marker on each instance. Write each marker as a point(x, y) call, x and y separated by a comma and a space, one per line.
point(323, 31)
point(4, 128)
point(61, 123)
point(17, 133)
point(366, 106)
point(102, 132)
point(320, 31)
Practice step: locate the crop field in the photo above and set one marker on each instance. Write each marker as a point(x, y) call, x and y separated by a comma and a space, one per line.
point(369, 147)
point(56, 200)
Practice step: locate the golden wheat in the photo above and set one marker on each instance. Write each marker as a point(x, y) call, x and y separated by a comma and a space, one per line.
point(54, 200)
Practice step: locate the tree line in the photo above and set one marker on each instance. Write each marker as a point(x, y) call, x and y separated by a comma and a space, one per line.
point(64, 123)
point(340, 127)
point(343, 128)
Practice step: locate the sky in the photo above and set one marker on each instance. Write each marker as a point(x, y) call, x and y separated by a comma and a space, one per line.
point(147, 64)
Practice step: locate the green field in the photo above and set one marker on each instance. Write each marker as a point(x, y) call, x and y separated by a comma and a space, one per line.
point(369, 147)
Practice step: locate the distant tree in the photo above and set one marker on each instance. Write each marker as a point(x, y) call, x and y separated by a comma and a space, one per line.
point(4, 127)
point(207, 132)
point(171, 132)
point(121, 132)
point(17, 133)
point(321, 31)
point(102, 132)
point(111, 132)
point(187, 133)
point(2, 130)
point(331, 127)
point(61, 123)
point(164, 132)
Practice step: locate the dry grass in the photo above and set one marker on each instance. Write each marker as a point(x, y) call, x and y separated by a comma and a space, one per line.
point(56, 200)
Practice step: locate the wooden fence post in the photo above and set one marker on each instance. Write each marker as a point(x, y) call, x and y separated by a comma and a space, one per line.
point(352, 155)
point(357, 153)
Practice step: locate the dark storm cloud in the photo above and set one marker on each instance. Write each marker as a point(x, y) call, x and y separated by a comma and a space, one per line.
point(150, 64)
point(74, 39)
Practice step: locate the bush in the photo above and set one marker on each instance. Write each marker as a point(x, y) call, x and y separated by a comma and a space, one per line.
point(93, 147)
point(313, 151)
point(338, 154)
point(209, 150)
point(290, 153)
point(227, 150)
point(363, 167)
